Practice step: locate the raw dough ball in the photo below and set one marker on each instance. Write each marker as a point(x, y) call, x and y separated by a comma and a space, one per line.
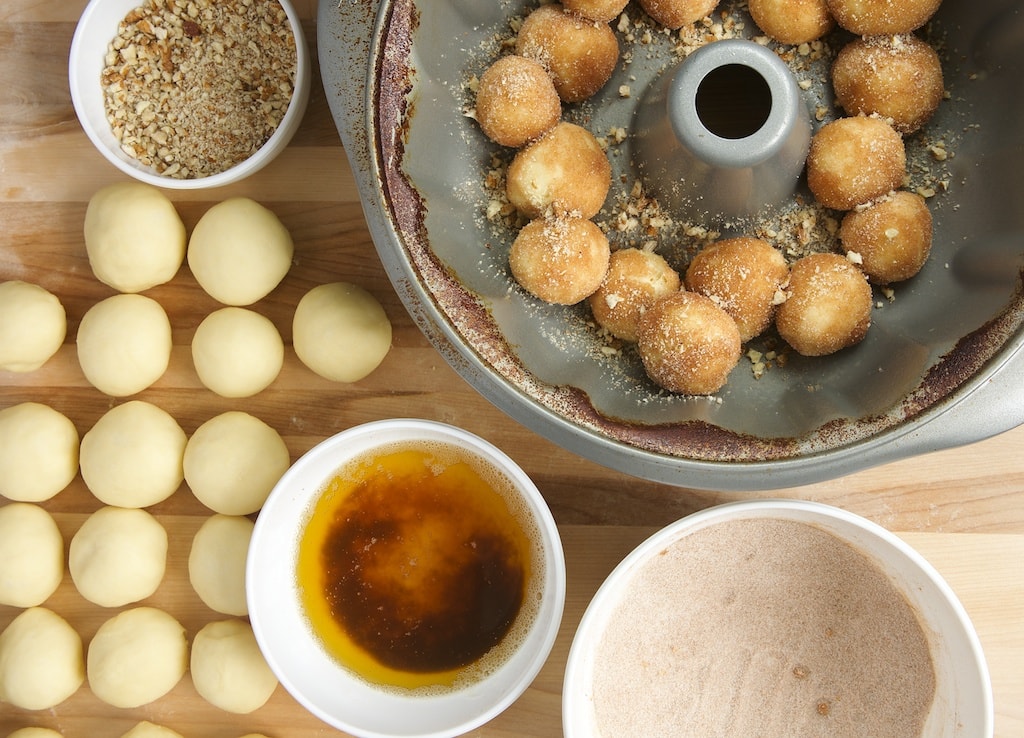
point(744, 277)
point(239, 251)
point(147, 729)
point(132, 456)
point(133, 236)
point(829, 305)
point(237, 352)
point(579, 54)
point(31, 555)
point(792, 21)
point(216, 563)
point(898, 78)
point(891, 237)
point(516, 101)
point(560, 260)
point(228, 669)
point(118, 556)
point(882, 17)
point(38, 452)
point(565, 172)
point(232, 462)
point(35, 733)
point(855, 160)
point(32, 326)
point(340, 331)
point(678, 13)
point(688, 344)
point(124, 344)
point(599, 10)
point(635, 279)
point(136, 657)
point(40, 660)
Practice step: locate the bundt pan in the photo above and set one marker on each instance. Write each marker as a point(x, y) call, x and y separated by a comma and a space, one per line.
point(941, 366)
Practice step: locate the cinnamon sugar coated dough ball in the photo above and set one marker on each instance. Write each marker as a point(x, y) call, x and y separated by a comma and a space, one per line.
point(678, 13)
point(132, 456)
point(216, 563)
point(744, 277)
point(341, 332)
point(232, 462)
point(580, 54)
point(146, 729)
point(38, 452)
point(516, 101)
point(118, 556)
point(828, 306)
point(599, 10)
point(792, 21)
point(895, 77)
point(239, 251)
point(134, 237)
point(228, 669)
point(564, 172)
point(40, 660)
point(855, 160)
point(882, 17)
point(33, 325)
point(560, 260)
point(891, 238)
point(136, 657)
point(237, 352)
point(635, 279)
point(31, 555)
point(124, 344)
point(34, 732)
point(688, 344)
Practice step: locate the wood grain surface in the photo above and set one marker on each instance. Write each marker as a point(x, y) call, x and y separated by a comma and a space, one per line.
point(963, 509)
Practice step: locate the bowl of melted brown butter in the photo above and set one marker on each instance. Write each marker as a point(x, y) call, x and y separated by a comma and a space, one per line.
point(405, 578)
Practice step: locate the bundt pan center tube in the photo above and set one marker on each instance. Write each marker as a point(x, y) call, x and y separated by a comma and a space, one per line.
point(941, 365)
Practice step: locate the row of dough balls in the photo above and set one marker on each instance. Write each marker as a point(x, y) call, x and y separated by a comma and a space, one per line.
point(802, 21)
point(143, 729)
point(136, 657)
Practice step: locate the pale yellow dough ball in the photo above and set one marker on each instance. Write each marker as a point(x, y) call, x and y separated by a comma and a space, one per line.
point(33, 325)
point(31, 555)
point(237, 352)
point(38, 452)
point(216, 563)
point(40, 660)
point(34, 732)
point(228, 669)
point(146, 729)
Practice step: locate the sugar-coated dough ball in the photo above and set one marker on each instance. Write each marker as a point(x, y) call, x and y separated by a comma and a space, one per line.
point(882, 17)
point(216, 563)
point(580, 54)
point(744, 277)
point(599, 10)
point(228, 669)
point(237, 352)
point(891, 238)
point(898, 78)
point(38, 452)
point(31, 555)
point(32, 326)
point(635, 279)
point(678, 13)
point(34, 732)
point(136, 657)
point(828, 306)
point(239, 251)
point(146, 729)
point(340, 331)
point(688, 344)
point(133, 236)
point(124, 344)
point(560, 260)
point(792, 21)
point(516, 101)
point(852, 161)
point(132, 456)
point(564, 172)
point(40, 660)
point(118, 556)
point(232, 462)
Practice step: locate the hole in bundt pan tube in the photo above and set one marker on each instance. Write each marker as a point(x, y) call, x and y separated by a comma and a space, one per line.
point(733, 101)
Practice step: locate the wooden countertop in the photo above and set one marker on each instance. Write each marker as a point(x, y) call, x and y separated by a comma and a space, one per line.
point(963, 509)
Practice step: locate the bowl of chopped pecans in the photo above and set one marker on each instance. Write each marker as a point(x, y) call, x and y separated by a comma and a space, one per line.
point(189, 94)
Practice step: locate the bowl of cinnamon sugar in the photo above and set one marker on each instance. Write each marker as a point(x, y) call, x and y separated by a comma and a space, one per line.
point(776, 618)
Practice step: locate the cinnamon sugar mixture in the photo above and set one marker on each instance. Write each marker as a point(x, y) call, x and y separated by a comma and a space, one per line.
point(762, 628)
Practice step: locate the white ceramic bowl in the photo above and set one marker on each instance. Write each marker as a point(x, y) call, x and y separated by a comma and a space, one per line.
point(296, 655)
point(96, 28)
point(962, 707)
